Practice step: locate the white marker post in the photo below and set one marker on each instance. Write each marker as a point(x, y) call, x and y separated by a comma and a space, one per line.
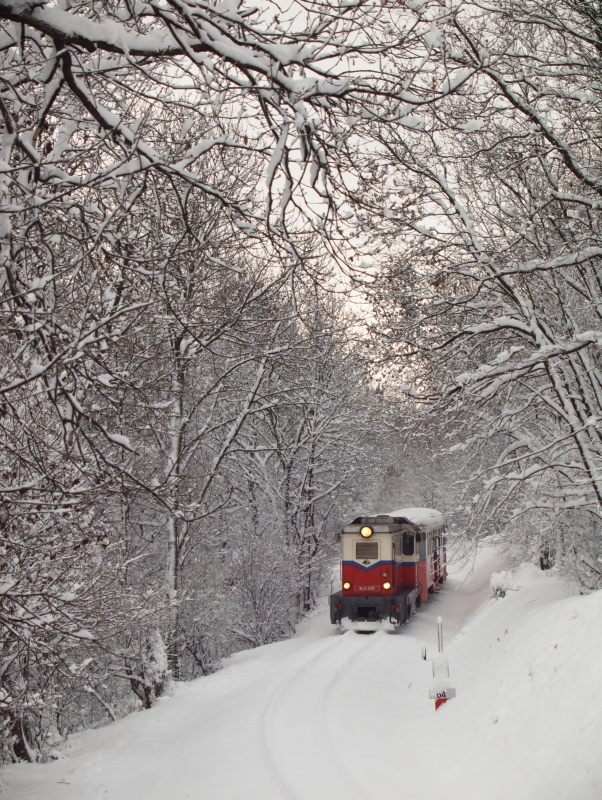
point(441, 691)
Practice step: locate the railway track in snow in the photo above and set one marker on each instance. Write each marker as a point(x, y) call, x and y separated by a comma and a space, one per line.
point(298, 739)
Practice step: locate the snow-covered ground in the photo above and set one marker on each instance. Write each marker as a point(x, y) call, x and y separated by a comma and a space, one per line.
point(348, 717)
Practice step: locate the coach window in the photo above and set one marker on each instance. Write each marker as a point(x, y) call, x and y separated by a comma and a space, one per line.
point(408, 544)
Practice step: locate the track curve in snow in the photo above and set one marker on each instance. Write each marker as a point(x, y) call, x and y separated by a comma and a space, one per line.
point(316, 717)
point(298, 732)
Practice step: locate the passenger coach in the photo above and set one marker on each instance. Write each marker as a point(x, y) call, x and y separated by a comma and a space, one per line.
point(390, 564)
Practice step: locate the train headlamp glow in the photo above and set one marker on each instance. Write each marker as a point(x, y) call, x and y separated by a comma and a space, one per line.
point(346, 585)
point(386, 585)
point(366, 531)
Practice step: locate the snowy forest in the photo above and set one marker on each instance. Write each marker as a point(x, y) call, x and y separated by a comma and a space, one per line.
point(263, 268)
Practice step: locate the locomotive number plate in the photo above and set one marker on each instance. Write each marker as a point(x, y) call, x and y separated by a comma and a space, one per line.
point(441, 694)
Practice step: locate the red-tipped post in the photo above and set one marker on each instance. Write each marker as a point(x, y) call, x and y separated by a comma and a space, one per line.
point(441, 691)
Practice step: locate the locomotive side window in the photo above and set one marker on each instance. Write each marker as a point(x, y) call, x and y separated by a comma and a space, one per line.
point(408, 544)
point(366, 550)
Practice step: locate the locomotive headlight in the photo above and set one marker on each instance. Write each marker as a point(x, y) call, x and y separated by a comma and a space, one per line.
point(386, 585)
point(346, 585)
point(366, 531)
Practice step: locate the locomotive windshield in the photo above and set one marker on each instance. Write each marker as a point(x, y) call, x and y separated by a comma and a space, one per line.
point(366, 550)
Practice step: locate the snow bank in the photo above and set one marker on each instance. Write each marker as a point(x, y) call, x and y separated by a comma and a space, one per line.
point(527, 723)
point(321, 716)
point(502, 582)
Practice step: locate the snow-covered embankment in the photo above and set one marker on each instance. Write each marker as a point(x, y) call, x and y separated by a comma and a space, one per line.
point(325, 717)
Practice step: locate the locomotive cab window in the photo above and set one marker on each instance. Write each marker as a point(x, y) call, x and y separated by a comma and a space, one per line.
point(366, 551)
point(408, 544)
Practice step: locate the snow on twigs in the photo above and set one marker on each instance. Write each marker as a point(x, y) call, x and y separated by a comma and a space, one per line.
point(121, 440)
point(502, 582)
point(84, 634)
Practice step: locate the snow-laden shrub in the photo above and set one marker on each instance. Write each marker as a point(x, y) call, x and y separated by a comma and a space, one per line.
point(502, 582)
point(152, 678)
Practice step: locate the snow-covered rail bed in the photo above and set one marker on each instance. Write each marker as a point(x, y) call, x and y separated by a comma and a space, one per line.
point(326, 717)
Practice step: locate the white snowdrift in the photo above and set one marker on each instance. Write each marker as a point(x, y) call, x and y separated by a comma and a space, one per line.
point(503, 582)
point(325, 717)
point(529, 721)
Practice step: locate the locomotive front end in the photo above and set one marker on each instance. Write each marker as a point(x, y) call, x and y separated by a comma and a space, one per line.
point(389, 564)
point(372, 591)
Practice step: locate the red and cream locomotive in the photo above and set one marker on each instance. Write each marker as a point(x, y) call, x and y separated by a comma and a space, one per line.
point(390, 564)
